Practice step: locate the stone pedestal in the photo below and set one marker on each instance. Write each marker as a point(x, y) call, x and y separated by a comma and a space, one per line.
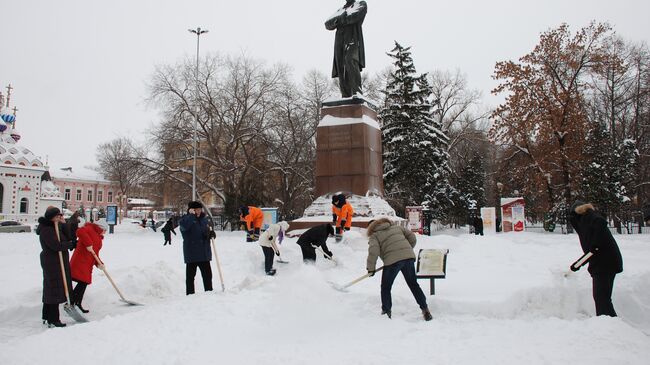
point(348, 160)
point(348, 151)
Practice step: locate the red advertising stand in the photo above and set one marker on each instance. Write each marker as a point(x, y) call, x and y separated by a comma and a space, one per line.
point(513, 218)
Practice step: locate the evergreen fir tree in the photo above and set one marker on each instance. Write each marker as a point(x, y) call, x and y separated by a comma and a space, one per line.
point(471, 182)
point(416, 167)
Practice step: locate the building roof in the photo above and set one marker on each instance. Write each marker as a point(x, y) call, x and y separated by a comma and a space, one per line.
point(79, 174)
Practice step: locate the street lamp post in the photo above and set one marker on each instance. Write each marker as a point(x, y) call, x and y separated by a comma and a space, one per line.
point(198, 31)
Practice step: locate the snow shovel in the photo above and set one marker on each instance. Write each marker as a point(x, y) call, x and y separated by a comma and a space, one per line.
point(68, 307)
point(326, 255)
point(344, 287)
point(112, 282)
point(216, 258)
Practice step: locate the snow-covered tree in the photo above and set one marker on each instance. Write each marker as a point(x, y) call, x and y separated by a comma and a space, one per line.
point(416, 169)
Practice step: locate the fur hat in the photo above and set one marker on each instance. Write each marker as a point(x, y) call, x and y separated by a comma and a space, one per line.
point(51, 212)
point(581, 208)
point(194, 205)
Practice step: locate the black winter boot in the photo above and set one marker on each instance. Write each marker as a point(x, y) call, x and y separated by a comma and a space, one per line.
point(387, 313)
point(82, 309)
point(271, 272)
point(427, 314)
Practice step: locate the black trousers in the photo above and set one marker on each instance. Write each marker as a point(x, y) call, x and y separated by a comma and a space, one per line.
point(190, 273)
point(269, 253)
point(168, 238)
point(603, 285)
point(308, 252)
point(78, 292)
point(51, 313)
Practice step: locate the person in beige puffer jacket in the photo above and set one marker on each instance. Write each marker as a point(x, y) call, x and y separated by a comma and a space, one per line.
point(394, 245)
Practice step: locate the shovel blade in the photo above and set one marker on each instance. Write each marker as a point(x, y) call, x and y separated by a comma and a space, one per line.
point(130, 302)
point(74, 313)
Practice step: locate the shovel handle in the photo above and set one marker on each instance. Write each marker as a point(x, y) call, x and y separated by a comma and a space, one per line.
point(360, 278)
point(107, 275)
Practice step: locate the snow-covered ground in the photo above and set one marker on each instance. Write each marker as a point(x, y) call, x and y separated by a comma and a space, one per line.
point(505, 301)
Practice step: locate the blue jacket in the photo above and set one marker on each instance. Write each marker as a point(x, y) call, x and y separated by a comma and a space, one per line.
point(196, 241)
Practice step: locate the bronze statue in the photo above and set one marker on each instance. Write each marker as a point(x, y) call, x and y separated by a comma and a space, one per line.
point(349, 51)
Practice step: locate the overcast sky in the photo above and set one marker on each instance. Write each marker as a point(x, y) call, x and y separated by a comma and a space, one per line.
point(79, 68)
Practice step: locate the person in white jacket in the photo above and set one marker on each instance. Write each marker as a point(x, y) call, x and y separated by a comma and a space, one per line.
point(269, 243)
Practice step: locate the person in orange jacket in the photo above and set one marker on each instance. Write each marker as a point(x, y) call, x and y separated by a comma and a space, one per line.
point(341, 215)
point(90, 240)
point(254, 218)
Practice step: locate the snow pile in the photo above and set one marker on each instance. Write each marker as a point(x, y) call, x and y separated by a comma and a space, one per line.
point(365, 208)
point(506, 300)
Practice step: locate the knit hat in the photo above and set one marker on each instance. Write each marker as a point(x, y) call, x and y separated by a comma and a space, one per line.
point(51, 212)
point(102, 224)
point(194, 205)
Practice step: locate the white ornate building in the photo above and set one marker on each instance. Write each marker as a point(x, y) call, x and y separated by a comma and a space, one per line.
point(26, 189)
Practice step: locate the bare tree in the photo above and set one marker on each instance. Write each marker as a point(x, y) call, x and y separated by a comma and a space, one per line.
point(117, 161)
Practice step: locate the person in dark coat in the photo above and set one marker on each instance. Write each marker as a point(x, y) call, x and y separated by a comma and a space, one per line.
point(646, 214)
point(606, 262)
point(54, 245)
point(72, 224)
point(167, 231)
point(478, 225)
point(349, 49)
point(315, 237)
point(196, 246)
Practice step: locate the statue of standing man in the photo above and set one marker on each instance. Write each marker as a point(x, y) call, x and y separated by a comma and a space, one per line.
point(349, 51)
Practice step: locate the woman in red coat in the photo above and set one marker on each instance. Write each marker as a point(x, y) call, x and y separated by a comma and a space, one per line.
point(90, 238)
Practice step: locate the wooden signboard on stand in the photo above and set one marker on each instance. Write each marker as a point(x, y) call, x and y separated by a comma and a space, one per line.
point(432, 264)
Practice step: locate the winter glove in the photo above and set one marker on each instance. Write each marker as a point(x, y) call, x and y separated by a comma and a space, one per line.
point(334, 218)
point(328, 255)
point(277, 253)
point(212, 235)
point(573, 268)
point(343, 221)
point(270, 238)
point(371, 273)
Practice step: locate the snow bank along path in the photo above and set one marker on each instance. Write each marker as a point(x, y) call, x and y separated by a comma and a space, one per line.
point(505, 301)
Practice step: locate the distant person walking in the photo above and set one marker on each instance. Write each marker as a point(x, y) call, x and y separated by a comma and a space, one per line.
point(394, 245)
point(478, 226)
point(600, 251)
point(72, 225)
point(167, 231)
point(196, 246)
point(53, 244)
point(91, 240)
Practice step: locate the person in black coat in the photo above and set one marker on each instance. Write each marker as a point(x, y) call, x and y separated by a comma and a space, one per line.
point(53, 245)
point(646, 214)
point(196, 246)
point(72, 224)
point(167, 231)
point(478, 225)
point(605, 260)
point(315, 237)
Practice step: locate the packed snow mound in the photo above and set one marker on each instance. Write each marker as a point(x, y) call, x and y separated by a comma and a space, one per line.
point(365, 207)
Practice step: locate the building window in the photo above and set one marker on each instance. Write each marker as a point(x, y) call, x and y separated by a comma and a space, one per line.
point(2, 193)
point(78, 195)
point(110, 197)
point(66, 194)
point(100, 196)
point(24, 205)
point(90, 196)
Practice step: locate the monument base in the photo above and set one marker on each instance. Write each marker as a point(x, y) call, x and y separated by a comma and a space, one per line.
point(366, 209)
